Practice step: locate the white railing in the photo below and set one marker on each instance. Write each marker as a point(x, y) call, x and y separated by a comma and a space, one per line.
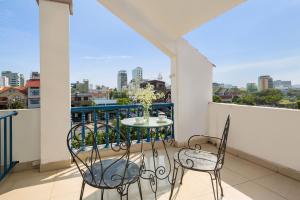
point(270, 134)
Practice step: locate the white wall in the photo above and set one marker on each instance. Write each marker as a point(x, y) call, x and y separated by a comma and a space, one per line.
point(191, 90)
point(26, 134)
point(55, 80)
point(272, 134)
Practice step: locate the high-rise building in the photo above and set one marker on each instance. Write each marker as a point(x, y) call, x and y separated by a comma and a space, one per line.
point(14, 79)
point(35, 75)
point(4, 82)
point(22, 80)
point(279, 84)
point(137, 74)
point(122, 80)
point(265, 82)
point(251, 87)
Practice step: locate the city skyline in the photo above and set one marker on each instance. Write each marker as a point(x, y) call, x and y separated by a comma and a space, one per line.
point(99, 52)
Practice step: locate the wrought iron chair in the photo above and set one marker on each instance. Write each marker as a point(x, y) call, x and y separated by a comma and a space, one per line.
point(117, 173)
point(194, 158)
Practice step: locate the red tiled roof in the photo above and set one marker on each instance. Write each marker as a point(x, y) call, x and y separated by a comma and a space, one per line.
point(20, 89)
point(33, 83)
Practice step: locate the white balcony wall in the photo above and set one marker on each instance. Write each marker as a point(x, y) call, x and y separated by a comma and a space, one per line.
point(271, 134)
point(26, 134)
point(191, 90)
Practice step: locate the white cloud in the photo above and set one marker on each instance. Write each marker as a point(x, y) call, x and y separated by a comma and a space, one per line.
point(104, 58)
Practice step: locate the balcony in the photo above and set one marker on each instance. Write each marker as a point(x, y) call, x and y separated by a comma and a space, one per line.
point(242, 180)
point(262, 161)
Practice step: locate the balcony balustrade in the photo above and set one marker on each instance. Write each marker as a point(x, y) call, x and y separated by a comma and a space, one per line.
point(112, 115)
point(6, 144)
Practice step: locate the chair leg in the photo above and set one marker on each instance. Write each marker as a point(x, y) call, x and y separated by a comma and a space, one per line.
point(217, 185)
point(182, 174)
point(220, 182)
point(174, 177)
point(140, 188)
point(102, 194)
point(82, 190)
point(213, 186)
point(127, 193)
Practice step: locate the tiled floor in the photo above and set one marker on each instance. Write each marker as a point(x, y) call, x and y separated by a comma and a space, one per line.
point(242, 180)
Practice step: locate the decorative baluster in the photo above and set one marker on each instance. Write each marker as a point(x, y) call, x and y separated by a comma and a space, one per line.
point(172, 117)
point(83, 130)
point(157, 129)
point(10, 142)
point(128, 129)
point(118, 127)
point(106, 130)
point(96, 127)
point(138, 129)
point(5, 144)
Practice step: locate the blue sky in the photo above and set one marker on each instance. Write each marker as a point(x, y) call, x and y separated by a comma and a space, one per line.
point(257, 37)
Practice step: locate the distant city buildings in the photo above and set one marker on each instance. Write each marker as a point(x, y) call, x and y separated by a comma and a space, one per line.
point(79, 87)
point(101, 88)
point(33, 92)
point(251, 87)
point(4, 82)
point(265, 82)
point(159, 86)
point(137, 74)
point(9, 95)
point(34, 75)
point(279, 84)
point(15, 92)
point(81, 99)
point(122, 80)
point(15, 79)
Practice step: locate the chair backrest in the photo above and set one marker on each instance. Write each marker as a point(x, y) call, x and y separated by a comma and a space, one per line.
point(83, 145)
point(223, 142)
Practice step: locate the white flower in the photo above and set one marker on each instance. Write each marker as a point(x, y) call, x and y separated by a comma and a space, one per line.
point(146, 96)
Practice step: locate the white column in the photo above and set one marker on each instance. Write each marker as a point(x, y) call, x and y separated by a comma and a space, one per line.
point(191, 91)
point(55, 84)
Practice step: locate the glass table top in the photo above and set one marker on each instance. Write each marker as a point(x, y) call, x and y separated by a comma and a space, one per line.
point(153, 123)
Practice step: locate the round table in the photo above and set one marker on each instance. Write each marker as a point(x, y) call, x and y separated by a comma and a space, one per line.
point(153, 123)
point(159, 172)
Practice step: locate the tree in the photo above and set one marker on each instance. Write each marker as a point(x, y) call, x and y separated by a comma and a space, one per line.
point(114, 94)
point(248, 99)
point(217, 99)
point(16, 104)
point(298, 104)
point(123, 101)
point(236, 99)
point(269, 97)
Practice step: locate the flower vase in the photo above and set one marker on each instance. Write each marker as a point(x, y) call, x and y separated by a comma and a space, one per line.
point(146, 115)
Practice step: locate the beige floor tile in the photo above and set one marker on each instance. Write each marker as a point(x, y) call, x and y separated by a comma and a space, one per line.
point(256, 192)
point(283, 185)
point(230, 193)
point(245, 168)
point(31, 192)
point(230, 178)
